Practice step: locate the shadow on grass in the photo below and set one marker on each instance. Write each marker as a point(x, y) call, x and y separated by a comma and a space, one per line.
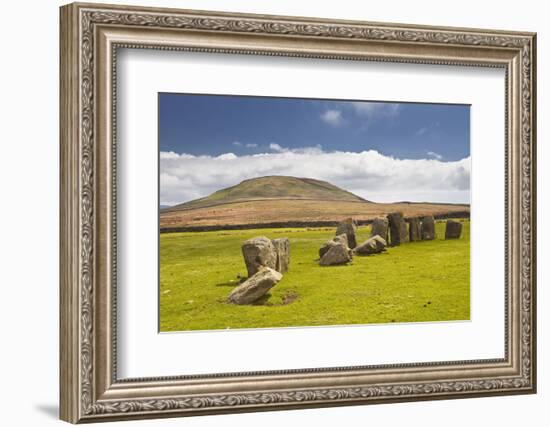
point(288, 298)
point(347, 264)
point(263, 300)
point(231, 283)
point(371, 255)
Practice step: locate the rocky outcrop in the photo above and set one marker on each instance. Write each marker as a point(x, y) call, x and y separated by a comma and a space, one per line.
point(255, 287)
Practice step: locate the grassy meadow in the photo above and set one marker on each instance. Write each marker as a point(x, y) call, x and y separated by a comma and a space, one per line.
point(415, 282)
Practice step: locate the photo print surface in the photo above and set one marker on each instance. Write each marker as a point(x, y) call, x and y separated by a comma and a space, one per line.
point(290, 212)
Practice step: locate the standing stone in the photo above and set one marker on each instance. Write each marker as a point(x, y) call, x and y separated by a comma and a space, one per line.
point(282, 251)
point(341, 239)
point(453, 229)
point(374, 245)
point(404, 232)
point(255, 287)
point(414, 229)
point(398, 229)
point(427, 229)
point(348, 227)
point(379, 227)
point(337, 254)
point(259, 252)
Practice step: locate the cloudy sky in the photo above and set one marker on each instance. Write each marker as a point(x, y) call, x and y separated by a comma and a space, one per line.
point(381, 151)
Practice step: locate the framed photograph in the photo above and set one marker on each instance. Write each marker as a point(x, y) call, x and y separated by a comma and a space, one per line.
point(266, 212)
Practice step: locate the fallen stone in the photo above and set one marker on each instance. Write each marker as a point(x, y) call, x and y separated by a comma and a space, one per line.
point(374, 245)
point(255, 287)
point(398, 229)
point(427, 228)
point(326, 247)
point(282, 252)
point(379, 227)
point(348, 227)
point(259, 252)
point(340, 239)
point(337, 254)
point(414, 229)
point(453, 229)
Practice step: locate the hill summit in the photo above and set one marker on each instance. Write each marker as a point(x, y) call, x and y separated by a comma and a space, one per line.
point(286, 201)
point(273, 188)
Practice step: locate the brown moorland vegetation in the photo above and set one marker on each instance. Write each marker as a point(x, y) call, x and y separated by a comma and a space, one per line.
point(291, 201)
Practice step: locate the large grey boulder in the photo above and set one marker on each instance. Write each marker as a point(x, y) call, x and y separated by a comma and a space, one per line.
point(337, 254)
point(453, 229)
point(398, 229)
point(379, 227)
point(348, 227)
point(259, 252)
point(427, 228)
point(326, 247)
point(340, 239)
point(255, 287)
point(414, 229)
point(374, 245)
point(282, 252)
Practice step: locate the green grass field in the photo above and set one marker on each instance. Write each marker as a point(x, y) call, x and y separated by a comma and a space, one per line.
point(414, 282)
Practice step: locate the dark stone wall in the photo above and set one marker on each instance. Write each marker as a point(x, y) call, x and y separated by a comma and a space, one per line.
point(289, 224)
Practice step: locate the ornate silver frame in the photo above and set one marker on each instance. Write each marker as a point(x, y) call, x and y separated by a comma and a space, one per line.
point(90, 36)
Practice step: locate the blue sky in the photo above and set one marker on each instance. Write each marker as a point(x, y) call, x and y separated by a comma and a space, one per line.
point(381, 151)
point(213, 125)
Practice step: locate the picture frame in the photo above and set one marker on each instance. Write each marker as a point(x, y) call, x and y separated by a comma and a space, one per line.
point(91, 34)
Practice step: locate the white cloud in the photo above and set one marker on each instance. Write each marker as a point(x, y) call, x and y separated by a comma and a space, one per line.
point(248, 145)
point(332, 117)
point(169, 155)
point(374, 110)
point(298, 150)
point(371, 111)
point(431, 128)
point(276, 147)
point(434, 155)
point(368, 174)
point(227, 156)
